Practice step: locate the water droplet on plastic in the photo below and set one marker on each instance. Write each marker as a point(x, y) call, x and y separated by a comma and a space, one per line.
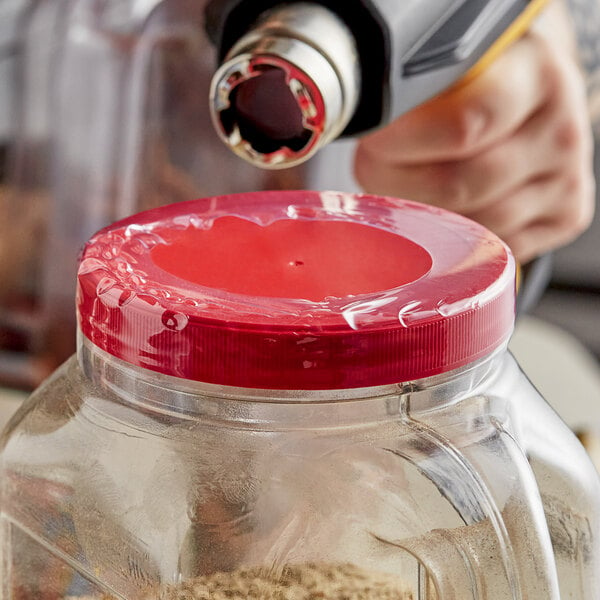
point(89, 265)
point(174, 321)
point(301, 212)
point(126, 297)
point(104, 285)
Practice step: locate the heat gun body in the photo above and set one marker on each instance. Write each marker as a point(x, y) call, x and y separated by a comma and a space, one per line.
point(344, 67)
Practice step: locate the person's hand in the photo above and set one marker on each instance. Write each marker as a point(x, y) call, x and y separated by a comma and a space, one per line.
point(511, 149)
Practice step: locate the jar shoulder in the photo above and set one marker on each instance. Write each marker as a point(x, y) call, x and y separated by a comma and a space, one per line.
point(49, 406)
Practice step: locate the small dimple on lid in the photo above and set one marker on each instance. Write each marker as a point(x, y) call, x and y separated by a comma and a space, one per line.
point(296, 290)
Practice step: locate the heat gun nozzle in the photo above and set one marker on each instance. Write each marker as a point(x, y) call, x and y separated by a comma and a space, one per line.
point(280, 95)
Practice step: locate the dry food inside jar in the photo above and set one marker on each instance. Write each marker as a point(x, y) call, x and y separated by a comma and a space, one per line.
point(295, 582)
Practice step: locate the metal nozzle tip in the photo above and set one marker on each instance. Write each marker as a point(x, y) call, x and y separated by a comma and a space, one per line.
point(290, 85)
point(267, 111)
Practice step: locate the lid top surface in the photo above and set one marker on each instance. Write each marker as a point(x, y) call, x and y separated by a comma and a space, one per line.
point(310, 260)
point(296, 290)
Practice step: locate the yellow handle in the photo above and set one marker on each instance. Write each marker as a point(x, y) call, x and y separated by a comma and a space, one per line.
point(518, 27)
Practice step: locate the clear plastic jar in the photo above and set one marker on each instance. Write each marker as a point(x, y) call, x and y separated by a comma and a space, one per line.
point(295, 395)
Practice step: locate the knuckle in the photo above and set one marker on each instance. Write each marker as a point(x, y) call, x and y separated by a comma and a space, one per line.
point(546, 56)
point(448, 186)
point(577, 209)
point(503, 218)
point(569, 137)
point(468, 125)
point(361, 165)
point(367, 170)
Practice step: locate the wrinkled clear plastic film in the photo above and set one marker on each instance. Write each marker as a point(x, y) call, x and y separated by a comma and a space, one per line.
point(331, 289)
point(358, 431)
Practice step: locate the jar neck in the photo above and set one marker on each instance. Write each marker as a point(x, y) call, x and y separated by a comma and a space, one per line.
point(166, 394)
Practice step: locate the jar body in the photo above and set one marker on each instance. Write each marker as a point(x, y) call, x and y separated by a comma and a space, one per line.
point(115, 484)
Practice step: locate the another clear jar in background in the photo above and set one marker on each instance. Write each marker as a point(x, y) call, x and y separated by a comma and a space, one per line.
point(108, 106)
point(295, 395)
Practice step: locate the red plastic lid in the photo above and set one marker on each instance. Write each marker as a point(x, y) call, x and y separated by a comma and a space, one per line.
point(297, 290)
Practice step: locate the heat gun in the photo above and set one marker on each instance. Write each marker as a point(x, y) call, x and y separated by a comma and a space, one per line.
point(294, 76)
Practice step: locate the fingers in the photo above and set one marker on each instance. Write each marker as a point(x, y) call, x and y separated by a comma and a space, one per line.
point(468, 118)
point(471, 184)
point(541, 237)
point(512, 149)
point(542, 214)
